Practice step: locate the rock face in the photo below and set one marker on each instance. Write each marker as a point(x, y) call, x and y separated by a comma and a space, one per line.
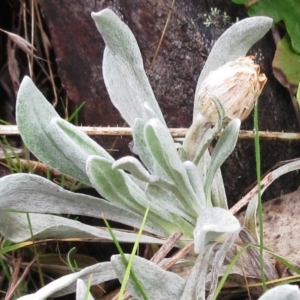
point(173, 75)
point(282, 213)
point(281, 226)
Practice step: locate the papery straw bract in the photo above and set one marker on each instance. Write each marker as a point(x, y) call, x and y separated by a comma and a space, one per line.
point(237, 85)
point(233, 43)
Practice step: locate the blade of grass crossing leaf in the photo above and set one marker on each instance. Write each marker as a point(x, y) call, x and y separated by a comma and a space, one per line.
point(125, 261)
point(282, 260)
point(219, 258)
point(260, 213)
point(87, 292)
point(69, 259)
point(129, 266)
point(35, 251)
point(228, 271)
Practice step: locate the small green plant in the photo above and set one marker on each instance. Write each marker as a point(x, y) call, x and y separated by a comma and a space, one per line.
point(217, 18)
point(182, 186)
point(129, 271)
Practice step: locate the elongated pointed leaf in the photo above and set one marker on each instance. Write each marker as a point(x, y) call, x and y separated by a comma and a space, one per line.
point(76, 145)
point(32, 193)
point(161, 145)
point(117, 187)
point(67, 284)
point(218, 194)
point(213, 222)
point(233, 43)
point(54, 141)
point(195, 286)
point(144, 152)
point(167, 201)
point(123, 70)
point(196, 182)
point(84, 146)
point(223, 149)
point(157, 283)
point(270, 178)
point(135, 168)
point(14, 227)
point(33, 115)
point(250, 217)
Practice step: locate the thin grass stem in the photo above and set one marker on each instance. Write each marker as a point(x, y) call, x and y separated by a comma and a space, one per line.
point(35, 252)
point(130, 263)
point(86, 296)
point(228, 271)
point(4, 268)
point(125, 261)
point(260, 212)
point(69, 259)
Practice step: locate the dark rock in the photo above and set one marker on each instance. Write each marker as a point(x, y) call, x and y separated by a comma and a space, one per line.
point(184, 49)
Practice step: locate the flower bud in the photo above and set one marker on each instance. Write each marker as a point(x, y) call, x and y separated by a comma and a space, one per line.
point(237, 85)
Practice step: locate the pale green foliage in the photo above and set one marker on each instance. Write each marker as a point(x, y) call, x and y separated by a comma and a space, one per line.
point(182, 194)
point(282, 292)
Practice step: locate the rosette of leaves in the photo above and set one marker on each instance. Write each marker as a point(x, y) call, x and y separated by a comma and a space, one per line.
point(183, 195)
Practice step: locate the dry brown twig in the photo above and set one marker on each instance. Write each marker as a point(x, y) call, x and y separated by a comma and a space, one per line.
point(10, 130)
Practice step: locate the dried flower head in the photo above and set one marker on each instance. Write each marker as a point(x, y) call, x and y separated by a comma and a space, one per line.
point(237, 85)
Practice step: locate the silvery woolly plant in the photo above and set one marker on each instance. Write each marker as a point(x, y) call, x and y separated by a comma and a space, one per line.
point(182, 184)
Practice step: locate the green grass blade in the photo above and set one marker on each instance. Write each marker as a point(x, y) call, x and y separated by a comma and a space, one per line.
point(74, 115)
point(4, 268)
point(35, 251)
point(298, 95)
point(125, 261)
point(69, 259)
point(282, 260)
point(260, 213)
point(228, 270)
point(129, 266)
point(14, 247)
point(4, 122)
point(89, 285)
